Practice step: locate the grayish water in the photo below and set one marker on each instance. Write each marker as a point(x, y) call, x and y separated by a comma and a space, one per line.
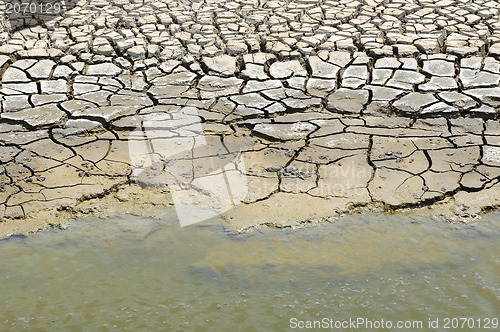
point(152, 275)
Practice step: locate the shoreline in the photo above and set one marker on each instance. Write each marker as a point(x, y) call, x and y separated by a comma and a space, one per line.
point(306, 167)
point(155, 203)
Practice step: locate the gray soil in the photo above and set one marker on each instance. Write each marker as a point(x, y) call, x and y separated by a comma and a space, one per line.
point(315, 109)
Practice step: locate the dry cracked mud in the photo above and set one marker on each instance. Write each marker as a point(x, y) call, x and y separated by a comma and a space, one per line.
point(315, 108)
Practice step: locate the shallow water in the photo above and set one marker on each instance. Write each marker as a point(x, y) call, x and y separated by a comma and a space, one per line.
point(152, 275)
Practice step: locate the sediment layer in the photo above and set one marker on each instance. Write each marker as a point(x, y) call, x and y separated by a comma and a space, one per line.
point(274, 113)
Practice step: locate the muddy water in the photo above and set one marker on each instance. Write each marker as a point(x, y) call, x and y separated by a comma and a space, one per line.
point(152, 275)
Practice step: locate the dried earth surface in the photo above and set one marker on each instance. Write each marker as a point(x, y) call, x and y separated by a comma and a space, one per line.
point(315, 108)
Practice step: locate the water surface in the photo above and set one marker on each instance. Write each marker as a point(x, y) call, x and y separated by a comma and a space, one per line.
point(152, 275)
